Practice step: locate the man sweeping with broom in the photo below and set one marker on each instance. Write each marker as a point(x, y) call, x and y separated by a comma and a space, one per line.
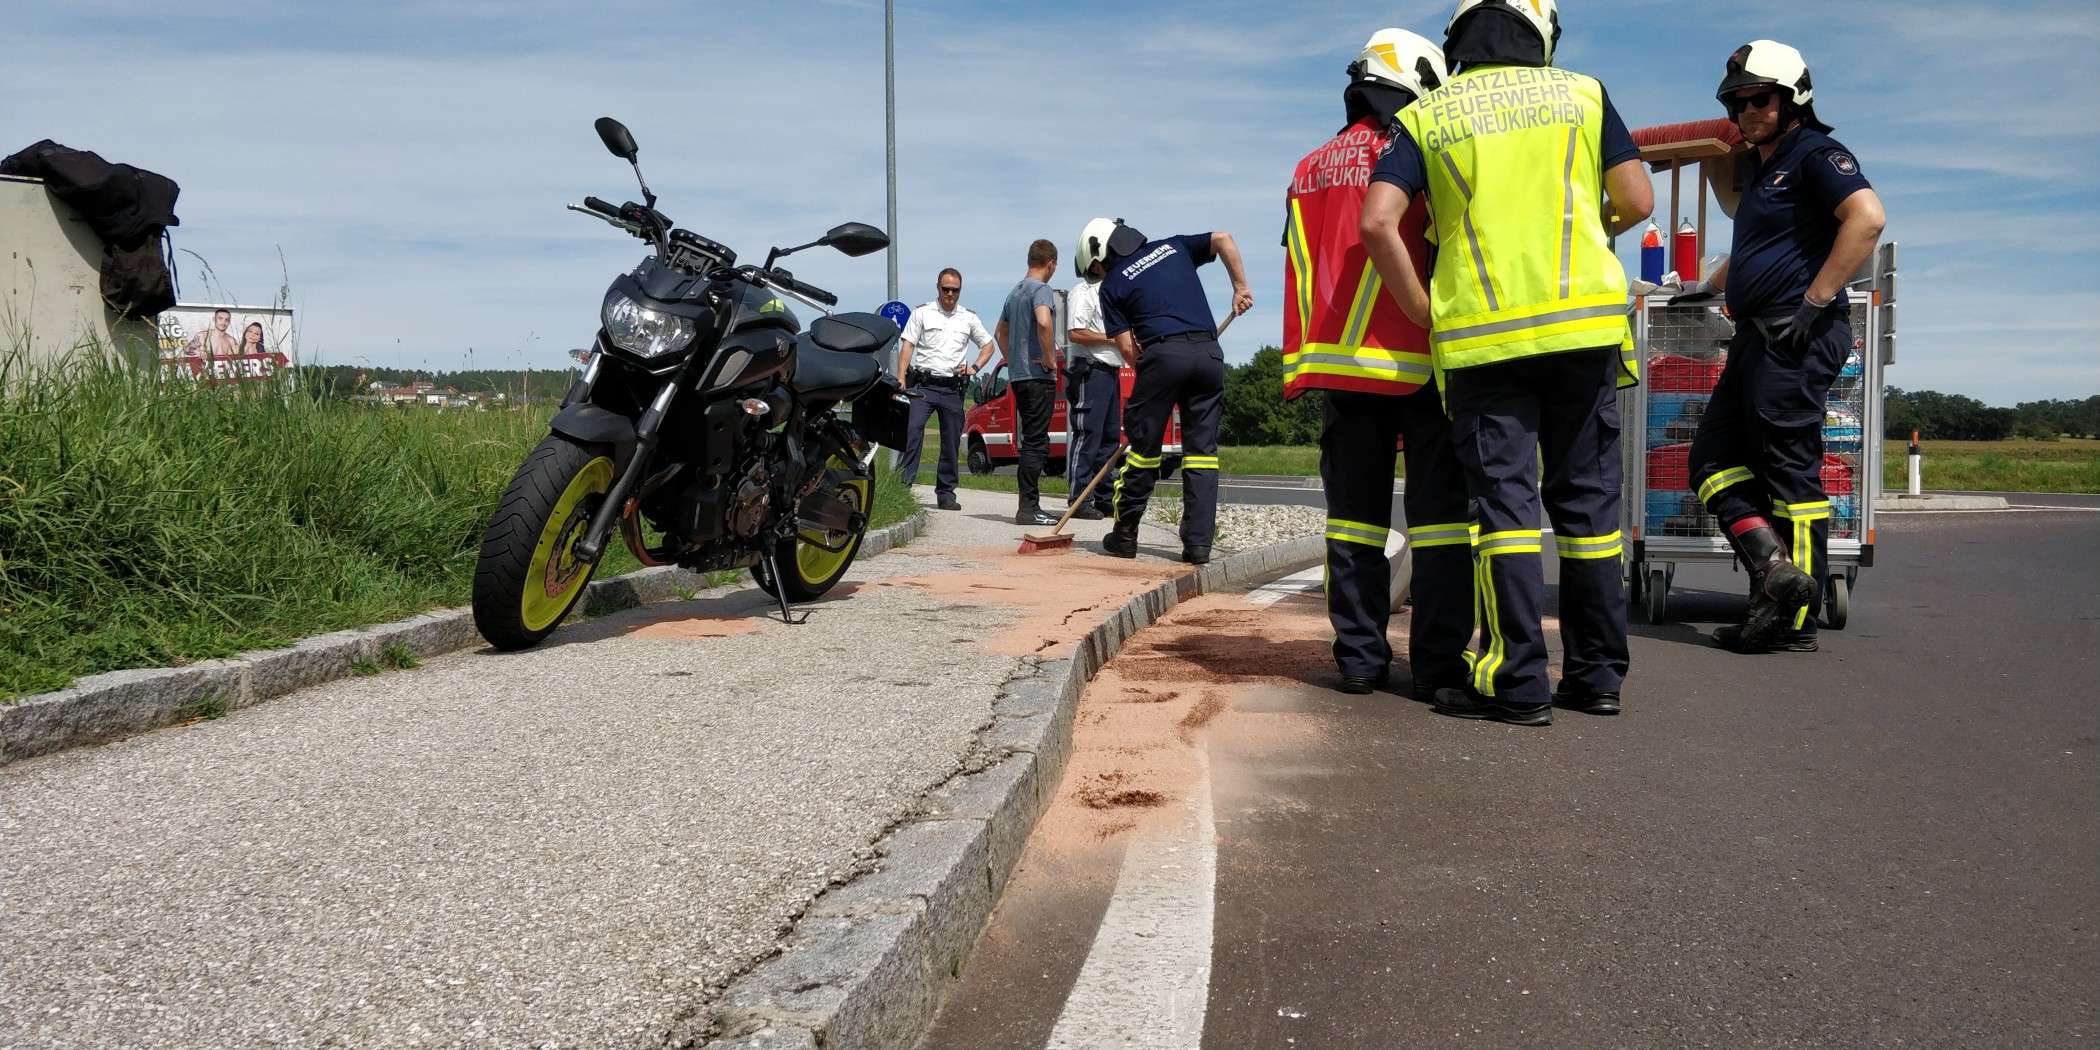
point(1153, 303)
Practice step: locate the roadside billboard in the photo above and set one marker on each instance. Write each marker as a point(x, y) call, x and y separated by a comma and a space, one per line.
point(222, 342)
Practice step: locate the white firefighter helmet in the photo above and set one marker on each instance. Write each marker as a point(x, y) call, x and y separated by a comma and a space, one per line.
point(1101, 240)
point(1541, 15)
point(1771, 62)
point(1093, 244)
point(1402, 59)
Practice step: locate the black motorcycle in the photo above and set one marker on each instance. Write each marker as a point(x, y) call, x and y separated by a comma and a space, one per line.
point(705, 411)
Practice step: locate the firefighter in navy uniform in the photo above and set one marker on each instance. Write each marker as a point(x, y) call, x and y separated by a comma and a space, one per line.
point(1807, 220)
point(1343, 336)
point(1527, 314)
point(1155, 309)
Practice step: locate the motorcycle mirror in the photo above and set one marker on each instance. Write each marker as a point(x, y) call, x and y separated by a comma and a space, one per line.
point(856, 238)
point(618, 140)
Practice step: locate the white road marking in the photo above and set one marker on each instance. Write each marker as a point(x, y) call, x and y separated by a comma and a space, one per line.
point(2017, 508)
point(1307, 581)
point(1146, 981)
point(1314, 580)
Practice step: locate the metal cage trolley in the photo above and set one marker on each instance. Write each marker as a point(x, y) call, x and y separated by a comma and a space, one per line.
point(1683, 349)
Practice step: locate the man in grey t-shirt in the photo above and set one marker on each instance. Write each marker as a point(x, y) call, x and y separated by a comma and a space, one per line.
point(1025, 333)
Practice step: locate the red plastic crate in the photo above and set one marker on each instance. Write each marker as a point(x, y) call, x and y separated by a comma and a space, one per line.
point(1669, 470)
point(1837, 475)
point(1684, 375)
point(1669, 467)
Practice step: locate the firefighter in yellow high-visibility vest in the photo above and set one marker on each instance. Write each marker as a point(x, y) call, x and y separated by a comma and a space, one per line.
point(1527, 314)
point(1343, 336)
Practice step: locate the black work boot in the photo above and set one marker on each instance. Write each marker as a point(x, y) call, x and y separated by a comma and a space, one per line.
point(1778, 591)
point(1197, 555)
point(1120, 544)
point(1731, 637)
point(1465, 703)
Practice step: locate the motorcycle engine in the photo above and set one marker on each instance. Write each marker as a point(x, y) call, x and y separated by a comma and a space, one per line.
point(747, 509)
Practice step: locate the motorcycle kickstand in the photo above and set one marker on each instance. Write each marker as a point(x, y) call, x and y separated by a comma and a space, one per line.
point(780, 593)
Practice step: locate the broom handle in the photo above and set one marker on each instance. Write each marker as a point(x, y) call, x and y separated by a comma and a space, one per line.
point(1072, 506)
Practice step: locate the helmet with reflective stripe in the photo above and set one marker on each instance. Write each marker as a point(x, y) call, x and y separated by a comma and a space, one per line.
point(1541, 15)
point(1402, 59)
point(1762, 62)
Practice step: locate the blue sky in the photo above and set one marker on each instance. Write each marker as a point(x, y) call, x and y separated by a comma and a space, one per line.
point(410, 160)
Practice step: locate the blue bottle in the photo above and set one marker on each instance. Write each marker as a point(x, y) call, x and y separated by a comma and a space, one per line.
point(1652, 255)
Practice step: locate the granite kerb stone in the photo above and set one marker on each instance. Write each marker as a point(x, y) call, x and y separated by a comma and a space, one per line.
point(117, 704)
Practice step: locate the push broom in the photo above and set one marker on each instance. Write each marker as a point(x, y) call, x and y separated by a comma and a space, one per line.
point(1057, 539)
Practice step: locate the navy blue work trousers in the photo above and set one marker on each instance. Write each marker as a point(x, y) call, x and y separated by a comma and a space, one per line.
point(1563, 406)
point(1759, 449)
point(1184, 373)
point(1093, 424)
point(1357, 438)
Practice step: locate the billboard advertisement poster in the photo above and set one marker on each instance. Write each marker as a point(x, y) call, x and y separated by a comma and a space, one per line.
point(221, 342)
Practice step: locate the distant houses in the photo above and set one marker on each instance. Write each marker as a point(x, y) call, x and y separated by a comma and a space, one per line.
point(429, 394)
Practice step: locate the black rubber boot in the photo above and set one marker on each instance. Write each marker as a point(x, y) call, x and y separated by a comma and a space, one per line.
point(1117, 544)
point(1778, 591)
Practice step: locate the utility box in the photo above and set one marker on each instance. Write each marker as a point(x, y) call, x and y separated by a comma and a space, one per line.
point(51, 306)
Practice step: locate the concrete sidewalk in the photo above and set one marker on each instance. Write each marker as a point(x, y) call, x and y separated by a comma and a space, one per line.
point(573, 846)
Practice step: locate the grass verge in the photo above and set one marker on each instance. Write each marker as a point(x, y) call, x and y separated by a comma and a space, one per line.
point(150, 524)
point(2016, 465)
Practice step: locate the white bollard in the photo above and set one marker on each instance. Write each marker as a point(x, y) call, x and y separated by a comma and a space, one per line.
point(1917, 469)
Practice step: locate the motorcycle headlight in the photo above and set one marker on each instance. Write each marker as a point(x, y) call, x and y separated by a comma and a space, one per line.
point(639, 330)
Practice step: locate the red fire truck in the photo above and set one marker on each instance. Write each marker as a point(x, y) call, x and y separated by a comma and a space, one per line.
point(989, 426)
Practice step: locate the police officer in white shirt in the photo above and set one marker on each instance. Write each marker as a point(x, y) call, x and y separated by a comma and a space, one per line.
point(933, 367)
point(1093, 387)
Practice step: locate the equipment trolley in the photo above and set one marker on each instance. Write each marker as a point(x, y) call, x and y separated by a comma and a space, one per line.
point(1682, 350)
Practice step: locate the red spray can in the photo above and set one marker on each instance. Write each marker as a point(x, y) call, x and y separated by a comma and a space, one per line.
point(1684, 254)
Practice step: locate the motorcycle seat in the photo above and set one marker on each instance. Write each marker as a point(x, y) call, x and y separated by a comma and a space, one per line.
point(853, 333)
point(828, 375)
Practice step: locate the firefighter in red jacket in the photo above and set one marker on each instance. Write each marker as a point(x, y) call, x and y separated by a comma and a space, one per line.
point(1344, 336)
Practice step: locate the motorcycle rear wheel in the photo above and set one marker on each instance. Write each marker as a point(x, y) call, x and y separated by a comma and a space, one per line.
point(527, 578)
point(810, 570)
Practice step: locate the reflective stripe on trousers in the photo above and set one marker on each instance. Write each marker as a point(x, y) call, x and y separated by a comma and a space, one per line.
point(1804, 516)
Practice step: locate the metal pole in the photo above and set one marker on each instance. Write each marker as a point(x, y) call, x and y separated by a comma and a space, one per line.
point(889, 125)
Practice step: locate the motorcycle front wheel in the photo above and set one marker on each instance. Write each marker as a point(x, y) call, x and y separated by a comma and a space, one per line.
point(806, 559)
point(527, 578)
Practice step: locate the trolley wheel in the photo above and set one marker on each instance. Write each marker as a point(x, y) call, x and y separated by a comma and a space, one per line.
point(1837, 602)
point(1658, 596)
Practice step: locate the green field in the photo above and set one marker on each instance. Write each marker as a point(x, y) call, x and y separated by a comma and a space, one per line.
point(2015, 465)
point(145, 524)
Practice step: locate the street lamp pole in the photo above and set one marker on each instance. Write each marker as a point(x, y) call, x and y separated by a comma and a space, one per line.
point(889, 126)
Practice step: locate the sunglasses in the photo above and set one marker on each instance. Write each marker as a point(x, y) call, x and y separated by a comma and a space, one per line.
point(1738, 103)
point(957, 290)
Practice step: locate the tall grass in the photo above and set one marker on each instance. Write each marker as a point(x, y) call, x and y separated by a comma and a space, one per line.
point(149, 523)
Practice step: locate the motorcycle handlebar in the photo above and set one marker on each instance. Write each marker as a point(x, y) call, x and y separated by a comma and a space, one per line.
point(601, 207)
point(788, 281)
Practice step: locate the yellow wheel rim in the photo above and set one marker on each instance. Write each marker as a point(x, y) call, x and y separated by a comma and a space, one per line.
point(815, 564)
point(554, 577)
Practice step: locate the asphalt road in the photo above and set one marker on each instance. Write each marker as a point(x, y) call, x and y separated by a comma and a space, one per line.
point(1892, 842)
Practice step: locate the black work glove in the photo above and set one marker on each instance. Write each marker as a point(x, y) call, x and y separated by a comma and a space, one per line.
point(1695, 292)
point(1791, 336)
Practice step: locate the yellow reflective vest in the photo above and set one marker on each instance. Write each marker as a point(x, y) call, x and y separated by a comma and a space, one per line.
point(1516, 192)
